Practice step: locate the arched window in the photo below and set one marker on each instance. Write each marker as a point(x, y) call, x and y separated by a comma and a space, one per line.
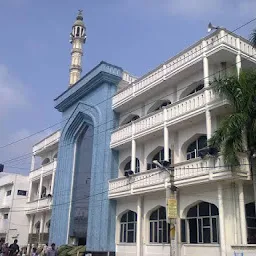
point(251, 223)
point(160, 158)
point(196, 146)
point(128, 225)
point(43, 195)
point(198, 88)
point(37, 227)
point(55, 156)
point(159, 229)
point(130, 119)
point(48, 225)
point(127, 167)
point(159, 105)
point(78, 31)
point(202, 222)
point(46, 161)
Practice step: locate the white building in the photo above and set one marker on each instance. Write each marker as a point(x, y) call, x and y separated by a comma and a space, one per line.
point(41, 181)
point(13, 197)
point(171, 112)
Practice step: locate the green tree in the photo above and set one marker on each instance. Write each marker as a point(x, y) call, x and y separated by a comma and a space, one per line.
point(253, 37)
point(237, 131)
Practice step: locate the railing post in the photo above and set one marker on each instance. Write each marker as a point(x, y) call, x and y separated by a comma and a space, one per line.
point(238, 56)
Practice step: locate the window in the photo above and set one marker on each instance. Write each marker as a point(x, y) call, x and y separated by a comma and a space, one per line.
point(159, 105)
point(130, 119)
point(251, 223)
point(5, 216)
point(128, 226)
point(202, 223)
point(8, 193)
point(46, 161)
point(198, 88)
point(195, 147)
point(37, 227)
point(43, 194)
point(137, 166)
point(160, 158)
point(159, 229)
point(22, 193)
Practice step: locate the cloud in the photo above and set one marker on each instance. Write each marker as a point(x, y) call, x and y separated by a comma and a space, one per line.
point(11, 91)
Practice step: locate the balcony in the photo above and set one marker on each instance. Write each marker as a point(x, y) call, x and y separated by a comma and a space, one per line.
point(185, 108)
point(221, 39)
point(45, 169)
point(39, 205)
point(190, 172)
point(46, 143)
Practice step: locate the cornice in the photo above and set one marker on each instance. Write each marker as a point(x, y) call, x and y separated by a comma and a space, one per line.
point(104, 72)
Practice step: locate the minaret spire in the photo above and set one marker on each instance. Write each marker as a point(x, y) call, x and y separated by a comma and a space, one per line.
point(77, 39)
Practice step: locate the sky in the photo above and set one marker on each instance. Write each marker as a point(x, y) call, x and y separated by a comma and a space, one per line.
point(136, 35)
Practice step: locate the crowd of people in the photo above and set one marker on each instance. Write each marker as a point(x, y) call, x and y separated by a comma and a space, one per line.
point(14, 249)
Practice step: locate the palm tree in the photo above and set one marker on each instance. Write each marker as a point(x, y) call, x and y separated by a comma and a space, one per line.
point(253, 37)
point(237, 132)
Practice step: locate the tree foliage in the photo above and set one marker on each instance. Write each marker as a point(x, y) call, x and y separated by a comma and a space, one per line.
point(237, 131)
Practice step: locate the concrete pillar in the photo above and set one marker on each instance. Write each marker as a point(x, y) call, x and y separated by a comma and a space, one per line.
point(166, 137)
point(30, 190)
point(139, 225)
point(133, 156)
point(40, 186)
point(242, 213)
point(221, 221)
point(31, 223)
point(33, 162)
point(238, 57)
point(52, 182)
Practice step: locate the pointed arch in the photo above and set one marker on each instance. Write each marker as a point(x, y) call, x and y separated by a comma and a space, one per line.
point(46, 161)
point(159, 104)
point(192, 88)
point(193, 145)
point(156, 154)
point(129, 119)
point(126, 165)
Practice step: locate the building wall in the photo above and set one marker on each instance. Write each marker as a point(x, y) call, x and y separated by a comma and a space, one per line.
point(101, 220)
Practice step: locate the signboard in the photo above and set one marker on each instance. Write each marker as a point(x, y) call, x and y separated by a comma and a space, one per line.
point(172, 208)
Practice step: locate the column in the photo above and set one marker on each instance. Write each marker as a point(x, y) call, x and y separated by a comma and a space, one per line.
point(238, 56)
point(31, 223)
point(33, 162)
point(40, 186)
point(221, 221)
point(30, 190)
point(52, 183)
point(41, 231)
point(166, 138)
point(139, 225)
point(207, 95)
point(242, 213)
point(133, 156)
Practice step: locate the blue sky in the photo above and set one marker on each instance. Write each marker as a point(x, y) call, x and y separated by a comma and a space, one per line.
point(134, 34)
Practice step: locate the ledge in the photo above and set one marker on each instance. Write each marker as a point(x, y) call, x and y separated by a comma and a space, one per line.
point(103, 72)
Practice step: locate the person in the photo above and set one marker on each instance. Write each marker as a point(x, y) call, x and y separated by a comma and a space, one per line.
point(34, 253)
point(2, 241)
point(6, 249)
point(45, 249)
point(14, 248)
point(52, 251)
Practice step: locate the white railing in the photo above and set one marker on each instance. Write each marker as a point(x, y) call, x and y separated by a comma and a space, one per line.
point(128, 77)
point(186, 57)
point(194, 170)
point(43, 169)
point(48, 141)
point(37, 205)
point(177, 109)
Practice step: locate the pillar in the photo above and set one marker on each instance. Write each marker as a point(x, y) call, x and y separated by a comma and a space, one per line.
point(133, 156)
point(139, 225)
point(242, 213)
point(166, 138)
point(32, 162)
point(41, 231)
point(40, 186)
point(207, 95)
point(30, 190)
point(52, 183)
point(221, 221)
point(31, 223)
point(238, 57)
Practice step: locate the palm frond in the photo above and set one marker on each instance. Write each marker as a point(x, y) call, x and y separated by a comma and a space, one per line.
point(253, 38)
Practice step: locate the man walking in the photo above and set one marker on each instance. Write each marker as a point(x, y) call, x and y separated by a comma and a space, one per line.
point(52, 251)
point(14, 248)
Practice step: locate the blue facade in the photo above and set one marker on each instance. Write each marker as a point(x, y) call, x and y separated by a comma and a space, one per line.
point(88, 102)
